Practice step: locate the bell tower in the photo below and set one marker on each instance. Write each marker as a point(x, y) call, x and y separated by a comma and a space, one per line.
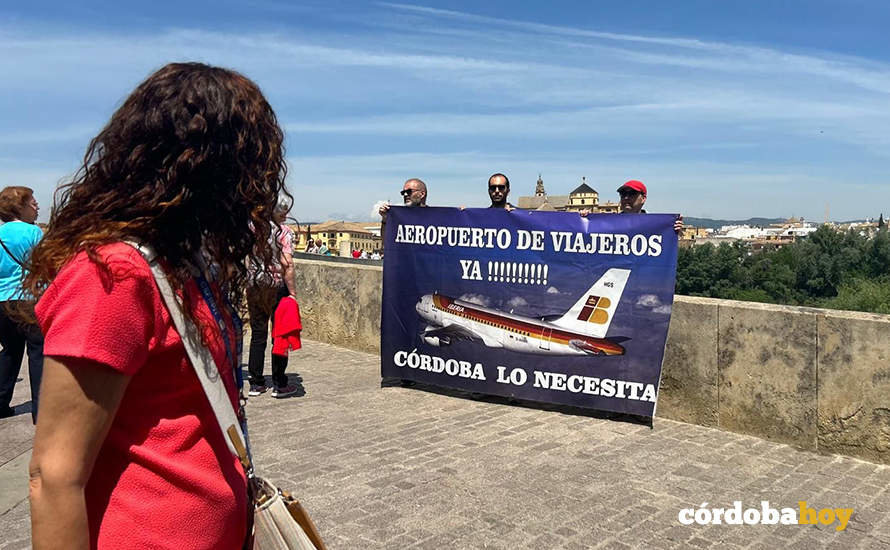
point(539, 188)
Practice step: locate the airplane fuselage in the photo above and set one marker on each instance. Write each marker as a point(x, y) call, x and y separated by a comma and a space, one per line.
point(498, 329)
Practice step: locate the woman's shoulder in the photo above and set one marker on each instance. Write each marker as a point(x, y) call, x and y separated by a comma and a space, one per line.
point(115, 273)
point(19, 228)
point(119, 258)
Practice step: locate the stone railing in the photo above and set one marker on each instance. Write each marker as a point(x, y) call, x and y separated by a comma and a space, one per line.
point(814, 378)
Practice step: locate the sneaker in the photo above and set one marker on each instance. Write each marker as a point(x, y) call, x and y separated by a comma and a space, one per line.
point(257, 390)
point(286, 391)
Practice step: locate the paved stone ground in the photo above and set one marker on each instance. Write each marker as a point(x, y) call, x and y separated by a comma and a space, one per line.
point(422, 468)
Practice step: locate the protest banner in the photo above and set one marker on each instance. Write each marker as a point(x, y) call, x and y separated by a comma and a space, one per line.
point(545, 306)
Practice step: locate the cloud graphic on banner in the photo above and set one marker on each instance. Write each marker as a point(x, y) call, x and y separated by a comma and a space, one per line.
point(477, 299)
point(552, 290)
point(648, 300)
point(665, 309)
point(517, 301)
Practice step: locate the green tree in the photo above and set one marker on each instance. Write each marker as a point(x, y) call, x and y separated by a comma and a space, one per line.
point(826, 269)
point(862, 295)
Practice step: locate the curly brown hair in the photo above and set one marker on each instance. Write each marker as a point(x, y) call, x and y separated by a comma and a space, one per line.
point(193, 161)
point(12, 200)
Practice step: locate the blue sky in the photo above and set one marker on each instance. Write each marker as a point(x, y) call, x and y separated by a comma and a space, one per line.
point(724, 109)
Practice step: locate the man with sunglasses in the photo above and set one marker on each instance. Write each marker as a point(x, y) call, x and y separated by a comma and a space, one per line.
point(498, 189)
point(413, 194)
point(632, 198)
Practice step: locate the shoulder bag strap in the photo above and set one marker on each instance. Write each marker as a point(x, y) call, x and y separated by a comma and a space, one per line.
point(11, 255)
point(202, 361)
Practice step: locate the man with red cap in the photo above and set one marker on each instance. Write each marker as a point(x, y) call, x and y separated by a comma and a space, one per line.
point(632, 198)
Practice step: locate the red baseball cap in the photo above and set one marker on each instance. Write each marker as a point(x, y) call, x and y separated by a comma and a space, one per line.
point(635, 185)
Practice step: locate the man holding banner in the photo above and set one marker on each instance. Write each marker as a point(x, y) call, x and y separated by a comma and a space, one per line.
point(632, 195)
point(541, 306)
point(498, 190)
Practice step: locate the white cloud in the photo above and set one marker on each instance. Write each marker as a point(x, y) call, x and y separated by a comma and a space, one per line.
point(375, 210)
point(648, 300)
point(517, 301)
point(722, 56)
point(552, 290)
point(477, 299)
point(665, 310)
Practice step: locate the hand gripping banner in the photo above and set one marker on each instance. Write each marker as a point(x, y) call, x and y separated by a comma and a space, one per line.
point(545, 306)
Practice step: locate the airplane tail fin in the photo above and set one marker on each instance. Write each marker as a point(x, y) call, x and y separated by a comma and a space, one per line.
point(592, 314)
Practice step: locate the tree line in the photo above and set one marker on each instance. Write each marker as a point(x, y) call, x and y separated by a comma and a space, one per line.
point(828, 268)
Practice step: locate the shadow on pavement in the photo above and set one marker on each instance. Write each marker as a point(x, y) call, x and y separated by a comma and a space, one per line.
point(512, 401)
point(293, 379)
point(21, 408)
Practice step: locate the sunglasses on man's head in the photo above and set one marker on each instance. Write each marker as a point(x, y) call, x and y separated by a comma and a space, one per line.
point(497, 187)
point(407, 192)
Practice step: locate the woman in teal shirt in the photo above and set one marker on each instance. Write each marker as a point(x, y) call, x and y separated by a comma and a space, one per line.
point(18, 236)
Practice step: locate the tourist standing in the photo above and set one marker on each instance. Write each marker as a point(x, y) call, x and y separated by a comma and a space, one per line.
point(18, 235)
point(270, 285)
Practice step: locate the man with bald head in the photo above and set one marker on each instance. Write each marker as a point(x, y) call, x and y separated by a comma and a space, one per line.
point(413, 194)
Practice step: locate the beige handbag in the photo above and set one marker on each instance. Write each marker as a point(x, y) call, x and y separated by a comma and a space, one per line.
point(279, 521)
point(277, 524)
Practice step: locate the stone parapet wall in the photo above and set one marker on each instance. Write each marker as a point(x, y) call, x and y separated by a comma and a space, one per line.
point(816, 379)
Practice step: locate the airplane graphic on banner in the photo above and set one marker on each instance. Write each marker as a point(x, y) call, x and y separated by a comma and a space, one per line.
point(580, 331)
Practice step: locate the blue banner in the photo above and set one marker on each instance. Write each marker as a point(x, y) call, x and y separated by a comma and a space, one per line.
point(545, 306)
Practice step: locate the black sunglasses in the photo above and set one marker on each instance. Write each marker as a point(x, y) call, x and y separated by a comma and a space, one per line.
point(407, 192)
point(627, 194)
point(497, 187)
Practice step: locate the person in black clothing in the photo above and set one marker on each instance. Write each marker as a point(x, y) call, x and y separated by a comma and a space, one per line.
point(262, 298)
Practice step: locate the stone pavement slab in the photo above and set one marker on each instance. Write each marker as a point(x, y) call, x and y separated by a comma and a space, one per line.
point(424, 468)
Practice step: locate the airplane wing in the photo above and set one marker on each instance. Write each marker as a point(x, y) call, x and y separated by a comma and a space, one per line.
point(458, 332)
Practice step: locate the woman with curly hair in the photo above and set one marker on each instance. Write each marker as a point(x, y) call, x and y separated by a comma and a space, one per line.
point(128, 452)
point(18, 235)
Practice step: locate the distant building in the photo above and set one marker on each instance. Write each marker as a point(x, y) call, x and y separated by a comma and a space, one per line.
point(341, 235)
point(691, 233)
point(773, 237)
point(581, 198)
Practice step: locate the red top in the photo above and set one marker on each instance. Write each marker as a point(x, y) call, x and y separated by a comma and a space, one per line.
point(164, 477)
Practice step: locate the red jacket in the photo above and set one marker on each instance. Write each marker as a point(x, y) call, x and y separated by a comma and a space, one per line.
point(286, 326)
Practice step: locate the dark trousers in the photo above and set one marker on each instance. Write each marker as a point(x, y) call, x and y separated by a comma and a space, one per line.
point(14, 337)
point(261, 304)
